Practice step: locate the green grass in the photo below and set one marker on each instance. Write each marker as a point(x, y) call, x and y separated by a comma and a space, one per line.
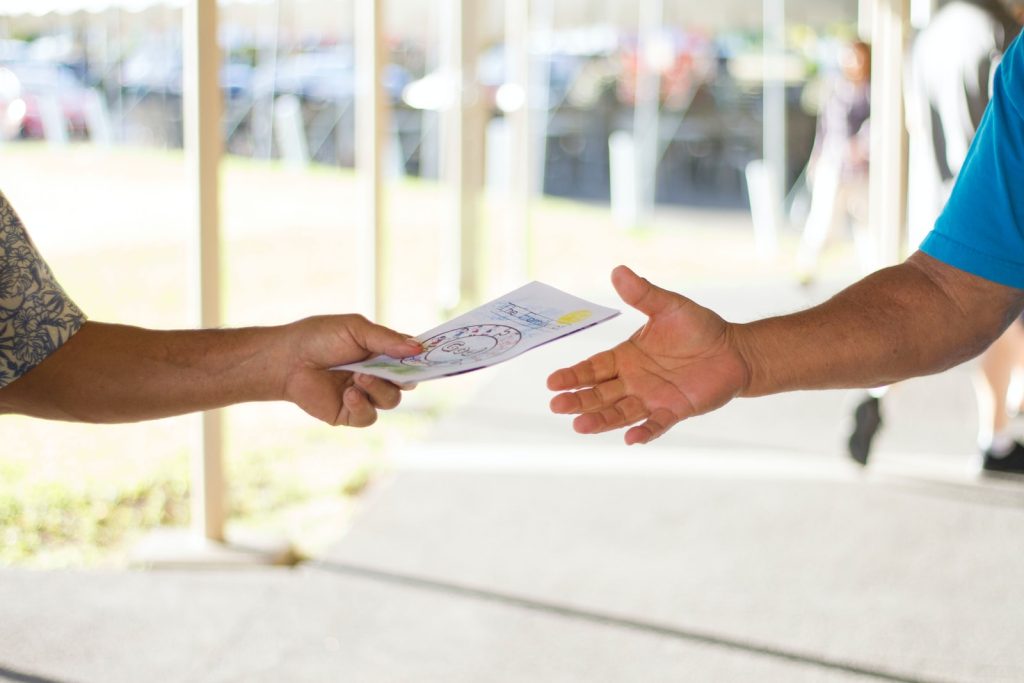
point(59, 521)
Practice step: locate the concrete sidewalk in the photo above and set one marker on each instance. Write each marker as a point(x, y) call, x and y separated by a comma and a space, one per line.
point(663, 573)
point(740, 547)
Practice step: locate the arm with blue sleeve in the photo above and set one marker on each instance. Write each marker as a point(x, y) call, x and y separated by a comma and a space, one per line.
point(942, 306)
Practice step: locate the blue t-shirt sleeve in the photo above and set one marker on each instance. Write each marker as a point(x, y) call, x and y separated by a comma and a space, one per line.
point(981, 229)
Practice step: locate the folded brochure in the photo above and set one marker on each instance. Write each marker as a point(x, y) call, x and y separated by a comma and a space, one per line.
point(502, 329)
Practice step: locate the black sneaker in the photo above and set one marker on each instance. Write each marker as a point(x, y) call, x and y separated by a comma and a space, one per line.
point(1011, 463)
point(867, 420)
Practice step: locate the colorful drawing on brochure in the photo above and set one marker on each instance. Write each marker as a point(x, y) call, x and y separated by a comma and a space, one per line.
point(466, 345)
point(523, 319)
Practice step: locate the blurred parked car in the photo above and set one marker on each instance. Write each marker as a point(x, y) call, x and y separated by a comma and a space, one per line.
point(13, 50)
point(157, 71)
point(236, 79)
point(44, 84)
point(152, 70)
point(322, 76)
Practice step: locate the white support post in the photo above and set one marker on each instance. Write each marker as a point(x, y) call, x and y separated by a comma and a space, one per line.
point(461, 156)
point(921, 12)
point(888, 147)
point(517, 77)
point(774, 126)
point(865, 19)
point(450, 147)
point(538, 98)
point(646, 110)
point(371, 123)
point(203, 144)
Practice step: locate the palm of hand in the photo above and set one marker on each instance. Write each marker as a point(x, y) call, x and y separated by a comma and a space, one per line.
point(683, 362)
point(683, 375)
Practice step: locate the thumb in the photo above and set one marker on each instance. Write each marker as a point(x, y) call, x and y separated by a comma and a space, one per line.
point(636, 291)
point(383, 340)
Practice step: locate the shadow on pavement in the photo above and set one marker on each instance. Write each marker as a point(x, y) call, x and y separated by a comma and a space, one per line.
point(22, 677)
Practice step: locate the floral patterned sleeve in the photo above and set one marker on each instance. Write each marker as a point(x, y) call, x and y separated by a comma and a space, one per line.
point(36, 316)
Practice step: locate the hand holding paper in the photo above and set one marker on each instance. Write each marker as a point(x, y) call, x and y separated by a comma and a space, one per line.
point(313, 344)
point(495, 332)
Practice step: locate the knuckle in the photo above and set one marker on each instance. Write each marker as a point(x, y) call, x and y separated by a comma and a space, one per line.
point(354, 320)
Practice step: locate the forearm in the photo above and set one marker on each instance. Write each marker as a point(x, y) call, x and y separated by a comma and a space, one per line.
point(913, 319)
point(115, 373)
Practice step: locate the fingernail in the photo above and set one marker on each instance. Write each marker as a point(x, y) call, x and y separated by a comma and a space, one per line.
point(414, 342)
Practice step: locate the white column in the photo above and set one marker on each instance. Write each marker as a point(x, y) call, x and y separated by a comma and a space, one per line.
point(774, 124)
point(865, 19)
point(888, 176)
point(646, 109)
point(921, 12)
point(462, 146)
point(203, 144)
point(538, 97)
point(517, 78)
point(371, 122)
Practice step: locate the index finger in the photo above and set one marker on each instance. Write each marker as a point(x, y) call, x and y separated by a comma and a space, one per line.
point(596, 369)
point(379, 339)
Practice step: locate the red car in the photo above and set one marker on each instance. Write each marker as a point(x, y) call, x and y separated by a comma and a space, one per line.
point(45, 84)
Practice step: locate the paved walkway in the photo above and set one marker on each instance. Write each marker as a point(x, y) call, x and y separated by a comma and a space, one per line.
point(741, 547)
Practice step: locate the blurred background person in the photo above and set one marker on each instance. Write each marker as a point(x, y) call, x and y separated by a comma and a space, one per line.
point(948, 85)
point(838, 167)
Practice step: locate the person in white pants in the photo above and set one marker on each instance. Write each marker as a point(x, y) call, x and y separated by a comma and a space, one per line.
point(838, 169)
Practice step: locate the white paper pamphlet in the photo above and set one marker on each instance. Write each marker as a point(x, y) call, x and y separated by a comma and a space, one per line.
point(523, 319)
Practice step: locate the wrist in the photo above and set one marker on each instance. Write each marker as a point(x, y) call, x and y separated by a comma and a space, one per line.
point(277, 349)
point(255, 363)
point(746, 342)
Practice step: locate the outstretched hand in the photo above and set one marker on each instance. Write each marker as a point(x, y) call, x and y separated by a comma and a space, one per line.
point(341, 398)
point(683, 362)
